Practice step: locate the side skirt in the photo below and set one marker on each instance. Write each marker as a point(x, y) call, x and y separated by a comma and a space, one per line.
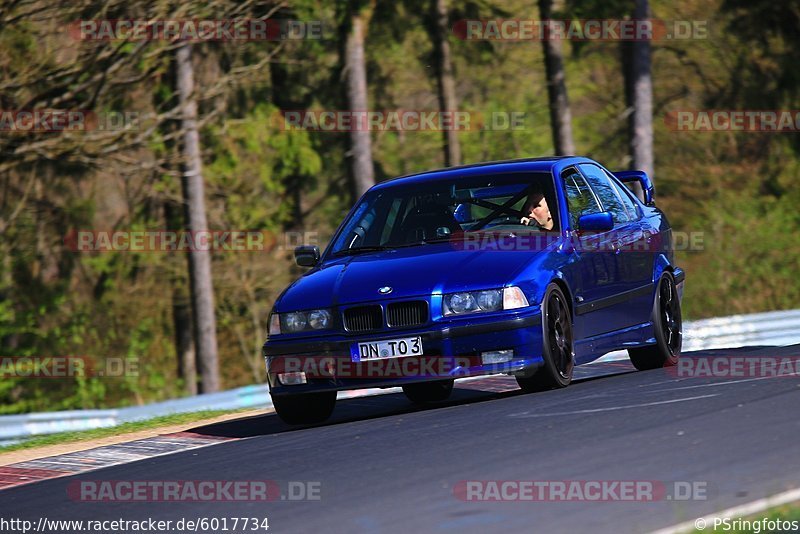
point(592, 348)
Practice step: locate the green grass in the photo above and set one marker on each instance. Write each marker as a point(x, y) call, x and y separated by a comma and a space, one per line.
point(85, 435)
point(786, 512)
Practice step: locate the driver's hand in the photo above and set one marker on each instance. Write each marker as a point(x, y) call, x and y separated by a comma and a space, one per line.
point(525, 220)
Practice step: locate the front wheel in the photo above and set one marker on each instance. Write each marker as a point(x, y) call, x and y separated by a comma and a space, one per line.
point(558, 349)
point(425, 392)
point(668, 327)
point(306, 408)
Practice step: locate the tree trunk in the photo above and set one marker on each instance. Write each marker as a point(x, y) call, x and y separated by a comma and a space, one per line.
point(202, 290)
point(184, 340)
point(182, 315)
point(446, 81)
point(641, 94)
point(356, 73)
point(282, 95)
point(560, 115)
point(626, 55)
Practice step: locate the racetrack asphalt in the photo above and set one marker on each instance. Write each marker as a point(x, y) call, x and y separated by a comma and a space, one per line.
point(383, 465)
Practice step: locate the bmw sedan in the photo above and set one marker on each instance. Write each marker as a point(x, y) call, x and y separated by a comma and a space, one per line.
point(524, 267)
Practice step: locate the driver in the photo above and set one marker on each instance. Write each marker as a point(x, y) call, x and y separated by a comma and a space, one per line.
point(537, 211)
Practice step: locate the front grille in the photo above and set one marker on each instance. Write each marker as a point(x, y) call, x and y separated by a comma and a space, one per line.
point(363, 318)
point(410, 313)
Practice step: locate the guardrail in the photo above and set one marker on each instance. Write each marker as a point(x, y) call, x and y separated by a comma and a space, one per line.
point(770, 328)
point(14, 428)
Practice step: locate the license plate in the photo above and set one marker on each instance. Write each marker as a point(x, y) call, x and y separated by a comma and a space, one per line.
point(390, 348)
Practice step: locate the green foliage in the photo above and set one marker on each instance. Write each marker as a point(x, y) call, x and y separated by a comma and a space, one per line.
point(749, 257)
point(253, 160)
point(738, 189)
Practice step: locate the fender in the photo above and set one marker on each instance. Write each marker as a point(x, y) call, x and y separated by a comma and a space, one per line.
point(662, 264)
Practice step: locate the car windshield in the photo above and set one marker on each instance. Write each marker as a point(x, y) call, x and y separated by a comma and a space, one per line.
point(420, 213)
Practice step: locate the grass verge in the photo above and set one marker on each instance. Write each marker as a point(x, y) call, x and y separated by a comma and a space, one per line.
point(62, 438)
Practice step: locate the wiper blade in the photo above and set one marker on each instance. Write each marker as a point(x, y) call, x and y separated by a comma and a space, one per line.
point(358, 250)
point(426, 242)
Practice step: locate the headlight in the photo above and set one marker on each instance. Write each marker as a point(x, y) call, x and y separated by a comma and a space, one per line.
point(319, 319)
point(490, 300)
point(292, 322)
point(460, 303)
point(507, 298)
point(295, 322)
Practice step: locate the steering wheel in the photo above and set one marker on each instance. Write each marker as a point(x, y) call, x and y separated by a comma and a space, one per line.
point(504, 220)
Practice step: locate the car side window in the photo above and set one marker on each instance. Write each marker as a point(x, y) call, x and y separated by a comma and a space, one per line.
point(627, 198)
point(606, 192)
point(580, 199)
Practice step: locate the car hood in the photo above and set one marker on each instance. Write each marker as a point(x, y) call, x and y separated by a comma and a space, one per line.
point(410, 272)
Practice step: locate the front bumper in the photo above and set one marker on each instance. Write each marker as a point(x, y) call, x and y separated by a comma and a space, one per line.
point(451, 350)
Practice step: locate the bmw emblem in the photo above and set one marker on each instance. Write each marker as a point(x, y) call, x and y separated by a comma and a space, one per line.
point(385, 290)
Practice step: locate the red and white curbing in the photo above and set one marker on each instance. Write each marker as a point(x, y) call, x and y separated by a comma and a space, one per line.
point(88, 460)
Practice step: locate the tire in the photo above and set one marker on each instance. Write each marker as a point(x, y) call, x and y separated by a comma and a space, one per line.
point(667, 323)
point(426, 392)
point(304, 409)
point(558, 349)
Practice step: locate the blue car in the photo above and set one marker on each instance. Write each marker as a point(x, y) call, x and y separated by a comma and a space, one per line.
point(524, 267)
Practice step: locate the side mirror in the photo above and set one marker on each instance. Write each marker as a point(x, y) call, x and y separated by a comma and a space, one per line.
point(648, 194)
point(596, 222)
point(306, 255)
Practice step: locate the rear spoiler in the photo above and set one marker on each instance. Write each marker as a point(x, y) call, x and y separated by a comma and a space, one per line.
point(646, 191)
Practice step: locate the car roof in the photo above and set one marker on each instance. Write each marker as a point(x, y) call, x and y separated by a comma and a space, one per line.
point(545, 164)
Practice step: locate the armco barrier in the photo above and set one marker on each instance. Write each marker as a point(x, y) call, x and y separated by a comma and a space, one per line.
point(770, 328)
